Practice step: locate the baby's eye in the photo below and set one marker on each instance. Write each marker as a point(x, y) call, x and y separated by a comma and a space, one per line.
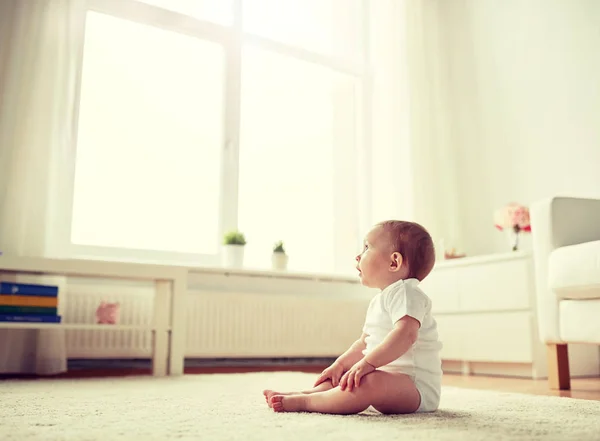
point(365, 248)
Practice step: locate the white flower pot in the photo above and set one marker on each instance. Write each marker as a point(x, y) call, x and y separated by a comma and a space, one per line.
point(233, 256)
point(279, 261)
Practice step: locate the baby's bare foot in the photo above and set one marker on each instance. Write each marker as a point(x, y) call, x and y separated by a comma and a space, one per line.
point(268, 393)
point(288, 403)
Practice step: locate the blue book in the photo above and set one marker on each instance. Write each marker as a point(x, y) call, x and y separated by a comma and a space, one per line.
point(30, 318)
point(27, 310)
point(26, 289)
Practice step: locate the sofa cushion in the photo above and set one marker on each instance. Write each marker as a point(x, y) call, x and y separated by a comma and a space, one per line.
point(574, 271)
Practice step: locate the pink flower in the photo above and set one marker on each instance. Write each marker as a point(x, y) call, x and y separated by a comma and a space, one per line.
point(513, 216)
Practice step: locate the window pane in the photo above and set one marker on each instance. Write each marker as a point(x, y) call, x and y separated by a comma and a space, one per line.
point(217, 11)
point(150, 137)
point(327, 26)
point(296, 157)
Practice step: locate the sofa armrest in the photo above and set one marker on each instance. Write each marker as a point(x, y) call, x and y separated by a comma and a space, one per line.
point(555, 223)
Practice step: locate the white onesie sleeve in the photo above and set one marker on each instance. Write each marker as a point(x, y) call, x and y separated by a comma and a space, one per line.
point(399, 303)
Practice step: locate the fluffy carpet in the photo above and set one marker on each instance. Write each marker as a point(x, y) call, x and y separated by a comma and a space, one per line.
point(231, 407)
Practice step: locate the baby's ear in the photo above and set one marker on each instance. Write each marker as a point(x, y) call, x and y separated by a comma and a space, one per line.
point(396, 261)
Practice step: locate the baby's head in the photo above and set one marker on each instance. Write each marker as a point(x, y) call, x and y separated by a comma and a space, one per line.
point(395, 250)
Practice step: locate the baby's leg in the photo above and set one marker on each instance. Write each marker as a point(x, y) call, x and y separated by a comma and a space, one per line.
point(326, 385)
point(388, 392)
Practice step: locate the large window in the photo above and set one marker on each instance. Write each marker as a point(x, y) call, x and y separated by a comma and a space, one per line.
point(150, 139)
point(200, 116)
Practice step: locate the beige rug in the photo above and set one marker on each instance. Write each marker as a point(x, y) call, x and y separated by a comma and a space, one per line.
point(231, 407)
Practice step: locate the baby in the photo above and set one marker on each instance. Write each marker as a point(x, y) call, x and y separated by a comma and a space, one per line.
point(395, 365)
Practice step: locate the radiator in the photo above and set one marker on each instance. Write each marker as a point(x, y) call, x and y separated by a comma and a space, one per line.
point(271, 325)
point(221, 324)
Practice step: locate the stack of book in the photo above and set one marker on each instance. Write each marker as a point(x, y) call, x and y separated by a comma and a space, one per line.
point(22, 302)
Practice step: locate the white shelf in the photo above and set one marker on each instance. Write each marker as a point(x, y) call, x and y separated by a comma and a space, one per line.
point(90, 268)
point(170, 289)
point(80, 326)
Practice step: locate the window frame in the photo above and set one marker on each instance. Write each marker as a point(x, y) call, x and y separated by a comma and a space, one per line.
point(232, 37)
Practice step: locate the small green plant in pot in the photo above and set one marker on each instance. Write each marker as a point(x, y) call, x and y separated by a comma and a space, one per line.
point(279, 259)
point(233, 249)
point(234, 237)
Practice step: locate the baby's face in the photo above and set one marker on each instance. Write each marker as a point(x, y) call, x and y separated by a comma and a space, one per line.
point(375, 261)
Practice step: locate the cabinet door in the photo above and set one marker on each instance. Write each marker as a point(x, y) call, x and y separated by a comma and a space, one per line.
point(495, 286)
point(441, 287)
point(497, 337)
point(450, 330)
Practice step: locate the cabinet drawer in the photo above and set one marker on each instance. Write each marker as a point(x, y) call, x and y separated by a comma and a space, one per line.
point(497, 337)
point(495, 286)
point(441, 287)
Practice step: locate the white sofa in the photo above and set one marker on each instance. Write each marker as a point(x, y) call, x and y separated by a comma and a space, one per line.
point(566, 247)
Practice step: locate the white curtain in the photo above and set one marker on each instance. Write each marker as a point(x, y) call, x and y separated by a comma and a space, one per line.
point(38, 52)
point(433, 159)
point(413, 169)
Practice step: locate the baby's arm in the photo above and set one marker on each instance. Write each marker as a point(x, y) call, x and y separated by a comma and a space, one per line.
point(354, 353)
point(396, 343)
point(352, 356)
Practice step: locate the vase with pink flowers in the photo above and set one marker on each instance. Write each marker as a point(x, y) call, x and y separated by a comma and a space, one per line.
point(514, 220)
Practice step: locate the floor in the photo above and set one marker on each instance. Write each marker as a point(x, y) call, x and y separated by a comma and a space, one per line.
point(582, 388)
point(231, 407)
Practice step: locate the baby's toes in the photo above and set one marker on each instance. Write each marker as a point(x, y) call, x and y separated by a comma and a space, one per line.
point(277, 403)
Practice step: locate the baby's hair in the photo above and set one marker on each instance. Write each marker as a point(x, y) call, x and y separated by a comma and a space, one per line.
point(415, 245)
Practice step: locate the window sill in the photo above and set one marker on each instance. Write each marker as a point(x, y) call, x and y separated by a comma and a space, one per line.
point(274, 274)
point(261, 273)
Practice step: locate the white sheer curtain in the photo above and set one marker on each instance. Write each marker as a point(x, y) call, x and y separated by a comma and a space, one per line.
point(435, 180)
point(413, 169)
point(38, 48)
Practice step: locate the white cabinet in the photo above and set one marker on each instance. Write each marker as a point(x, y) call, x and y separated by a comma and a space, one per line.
point(485, 310)
point(450, 329)
point(496, 286)
point(442, 287)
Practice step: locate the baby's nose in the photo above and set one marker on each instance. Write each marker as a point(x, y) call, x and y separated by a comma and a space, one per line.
point(357, 257)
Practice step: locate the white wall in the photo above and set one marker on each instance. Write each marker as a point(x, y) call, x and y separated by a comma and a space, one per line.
point(525, 105)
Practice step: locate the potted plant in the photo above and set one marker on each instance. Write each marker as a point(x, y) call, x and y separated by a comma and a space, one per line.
point(279, 259)
point(233, 249)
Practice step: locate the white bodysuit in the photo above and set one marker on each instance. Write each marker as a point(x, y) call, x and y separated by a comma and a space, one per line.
point(422, 361)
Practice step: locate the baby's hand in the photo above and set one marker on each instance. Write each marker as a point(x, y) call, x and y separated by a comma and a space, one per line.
point(333, 372)
point(356, 372)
